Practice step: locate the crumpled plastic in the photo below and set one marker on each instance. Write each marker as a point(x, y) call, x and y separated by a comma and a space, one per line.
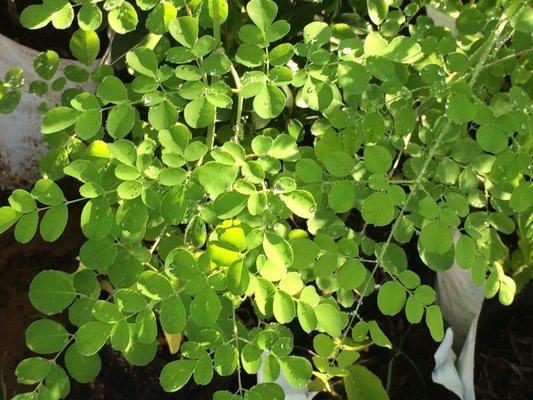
point(21, 144)
point(460, 301)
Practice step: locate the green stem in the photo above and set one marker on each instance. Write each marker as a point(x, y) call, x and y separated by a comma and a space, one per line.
point(216, 22)
point(210, 140)
point(236, 339)
point(237, 129)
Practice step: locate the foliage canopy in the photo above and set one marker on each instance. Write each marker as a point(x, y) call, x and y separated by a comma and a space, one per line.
point(295, 156)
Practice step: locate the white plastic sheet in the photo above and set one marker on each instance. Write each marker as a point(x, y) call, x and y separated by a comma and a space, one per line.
point(460, 301)
point(20, 138)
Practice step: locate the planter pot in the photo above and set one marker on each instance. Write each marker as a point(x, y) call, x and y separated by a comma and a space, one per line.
point(20, 137)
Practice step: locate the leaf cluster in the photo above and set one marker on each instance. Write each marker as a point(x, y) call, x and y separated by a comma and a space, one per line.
point(246, 157)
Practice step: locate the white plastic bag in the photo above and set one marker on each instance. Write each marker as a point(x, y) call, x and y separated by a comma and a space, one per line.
point(20, 136)
point(460, 301)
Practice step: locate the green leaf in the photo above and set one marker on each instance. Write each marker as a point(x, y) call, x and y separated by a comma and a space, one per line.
point(250, 55)
point(351, 274)
point(262, 13)
point(300, 202)
point(47, 192)
point(22, 201)
point(361, 384)
point(339, 163)
point(226, 359)
point(112, 90)
point(283, 307)
point(278, 250)
point(105, 311)
point(173, 205)
point(317, 33)
point(159, 18)
point(26, 227)
point(54, 222)
point(426, 294)
point(85, 46)
point(173, 316)
point(414, 309)
point(154, 285)
point(229, 204)
point(491, 139)
point(51, 291)
point(329, 319)
point(120, 121)
point(181, 264)
point(207, 11)
point(283, 147)
point(377, 159)
point(377, 10)
point(251, 358)
point(88, 124)
point(409, 279)
point(8, 217)
point(91, 337)
point(123, 19)
point(142, 60)
point(404, 50)
point(57, 382)
point(96, 218)
point(507, 290)
point(436, 237)
point(377, 335)
point(378, 209)
point(238, 278)
point(522, 19)
point(89, 17)
point(35, 16)
point(222, 253)
point(341, 197)
point(216, 178)
point(57, 119)
point(391, 298)
point(146, 326)
point(434, 322)
point(176, 374)
point(46, 64)
point(32, 370)
point(62, 18)
point(205, 308)
point(269, 102)
point(465, 252)
point(138, 353)
point(45, 336)
point(296, 370)
point(184, 30)
point(203, 372)
point(281, 54)
point(459, 109)
point(199, 113)
point(82, 368)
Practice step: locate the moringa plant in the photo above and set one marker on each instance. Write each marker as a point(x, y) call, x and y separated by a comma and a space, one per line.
point(228, 160)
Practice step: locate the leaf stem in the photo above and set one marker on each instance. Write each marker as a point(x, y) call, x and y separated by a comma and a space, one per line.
point(237, 129)
point(236, 339)
point(216, 22)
